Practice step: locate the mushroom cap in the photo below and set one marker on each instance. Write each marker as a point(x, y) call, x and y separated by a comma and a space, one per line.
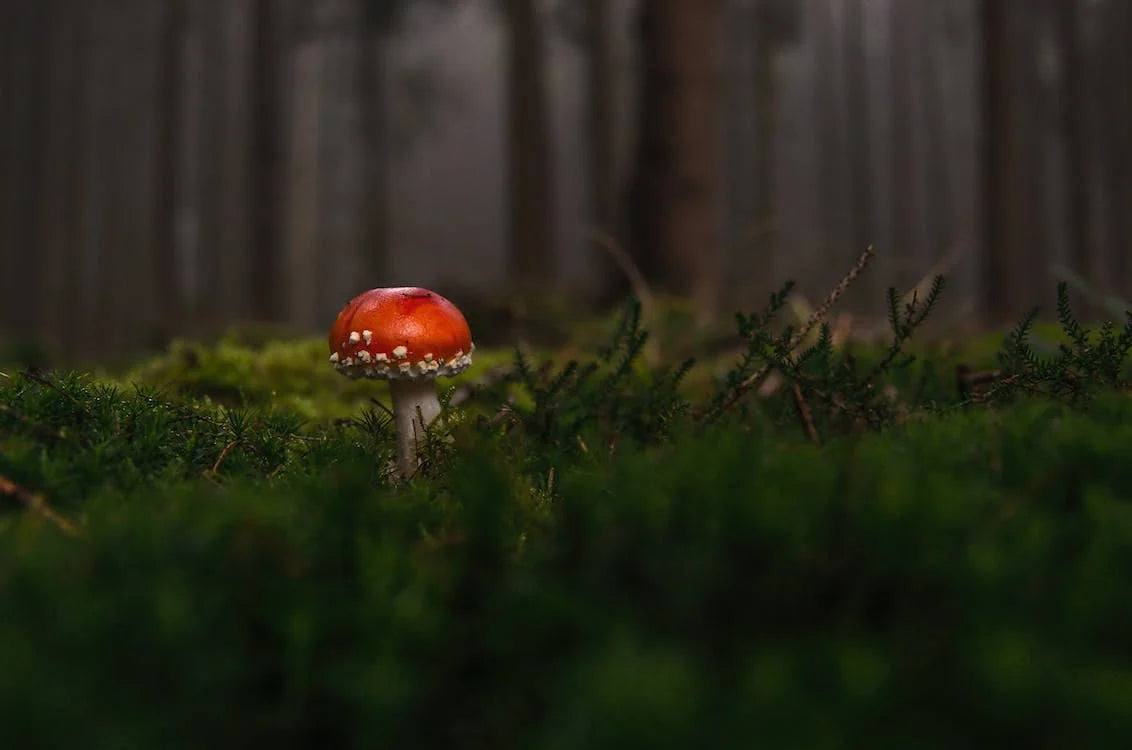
point(400, 333)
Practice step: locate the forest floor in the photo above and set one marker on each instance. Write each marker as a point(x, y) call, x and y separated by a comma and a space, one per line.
point(799, 539)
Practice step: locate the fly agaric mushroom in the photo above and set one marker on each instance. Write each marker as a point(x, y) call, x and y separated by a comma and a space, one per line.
point(408, 336)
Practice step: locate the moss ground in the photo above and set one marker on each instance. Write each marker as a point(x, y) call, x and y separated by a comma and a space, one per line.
point(208, 549)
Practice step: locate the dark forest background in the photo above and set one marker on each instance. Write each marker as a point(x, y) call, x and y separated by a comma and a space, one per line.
point(172, 167)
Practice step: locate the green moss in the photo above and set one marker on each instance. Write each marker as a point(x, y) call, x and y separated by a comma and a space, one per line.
point(582, 562)
point(290, 375)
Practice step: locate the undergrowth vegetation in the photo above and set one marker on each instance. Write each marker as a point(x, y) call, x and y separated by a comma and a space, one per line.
point(831, 544)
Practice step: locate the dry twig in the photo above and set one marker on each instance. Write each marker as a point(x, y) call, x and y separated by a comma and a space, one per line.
point(34, 502)
point(55, 387)
point(43, 429)
point(804, 415)
point(971, 382)
point(816, 317)
point(223, 455)
point(494, 376)
point(637, 283)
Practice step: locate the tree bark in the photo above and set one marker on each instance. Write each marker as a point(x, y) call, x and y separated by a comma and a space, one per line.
point(170, 116)
point(1035, 127)
point(766, 105)
point(61, 189)
point(905, 189)
point(266, 161)
point(674, 197)
point(831, 172)
point(1117, 71)
point(1073, 140)
point(530, 193)
point(599, 119)
point(304, 217)
point(341, 174)
point(211, 190)
point(27, 101)
point(939, 211)
point(999, 293)
point(375, 137)
point(234, 17)
point(106, 151)
point(125, 286)
point(858, 120)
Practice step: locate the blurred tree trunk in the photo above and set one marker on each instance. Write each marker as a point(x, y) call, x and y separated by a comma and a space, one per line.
point(831, 172)
point(25, 109)
point(303, 206)
point(939, 204)
point(1035, 129)
point(233, 19)
point(117, 298)
point(265, 152)
point(739, 229)
point(341, 173)
point(1073, 138)
point(1117, 102)
point(375, 154)
point(858, 121)
point(132, 144)
point(999, 289)
point(905, 187)
point(59, 195)
point(9, 30)
point(766, 42)
point(530, 192)
point(601, 166)
point(223, 254)
point(211, 188)
point(674, 196)
point(170, 118)
point(10, 103)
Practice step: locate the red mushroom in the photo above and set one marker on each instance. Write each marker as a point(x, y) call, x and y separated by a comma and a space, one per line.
point(408, 336)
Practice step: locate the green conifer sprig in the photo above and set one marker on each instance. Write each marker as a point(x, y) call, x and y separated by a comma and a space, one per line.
point(610, 398)
point(1084, 363)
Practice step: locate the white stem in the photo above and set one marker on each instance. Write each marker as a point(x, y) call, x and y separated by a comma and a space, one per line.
point(415, 406)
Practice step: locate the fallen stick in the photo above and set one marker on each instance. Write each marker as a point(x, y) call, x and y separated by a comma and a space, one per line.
point(804, 415)
point(34, 502)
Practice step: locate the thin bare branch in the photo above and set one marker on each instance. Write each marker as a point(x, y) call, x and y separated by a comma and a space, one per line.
point(816, 317)
point(641, 289)
point(223, 455)
point(40, 428)
point(35, 502)
point(805, 416)
point(55, 387)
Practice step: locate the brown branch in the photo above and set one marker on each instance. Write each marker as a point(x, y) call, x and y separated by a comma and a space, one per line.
point(637, 282)
point(505, 412)
point(55, 387)
point(819, 315)
point(625, 263)
point(382, 406)
point(41, 428)
point(34, 502)
point(223, 455)
point(968, 380)
point(494, 376)
point(816, 317)
point(804, 415)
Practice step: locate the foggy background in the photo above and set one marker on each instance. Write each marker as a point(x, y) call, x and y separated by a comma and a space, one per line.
point(171, 167)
